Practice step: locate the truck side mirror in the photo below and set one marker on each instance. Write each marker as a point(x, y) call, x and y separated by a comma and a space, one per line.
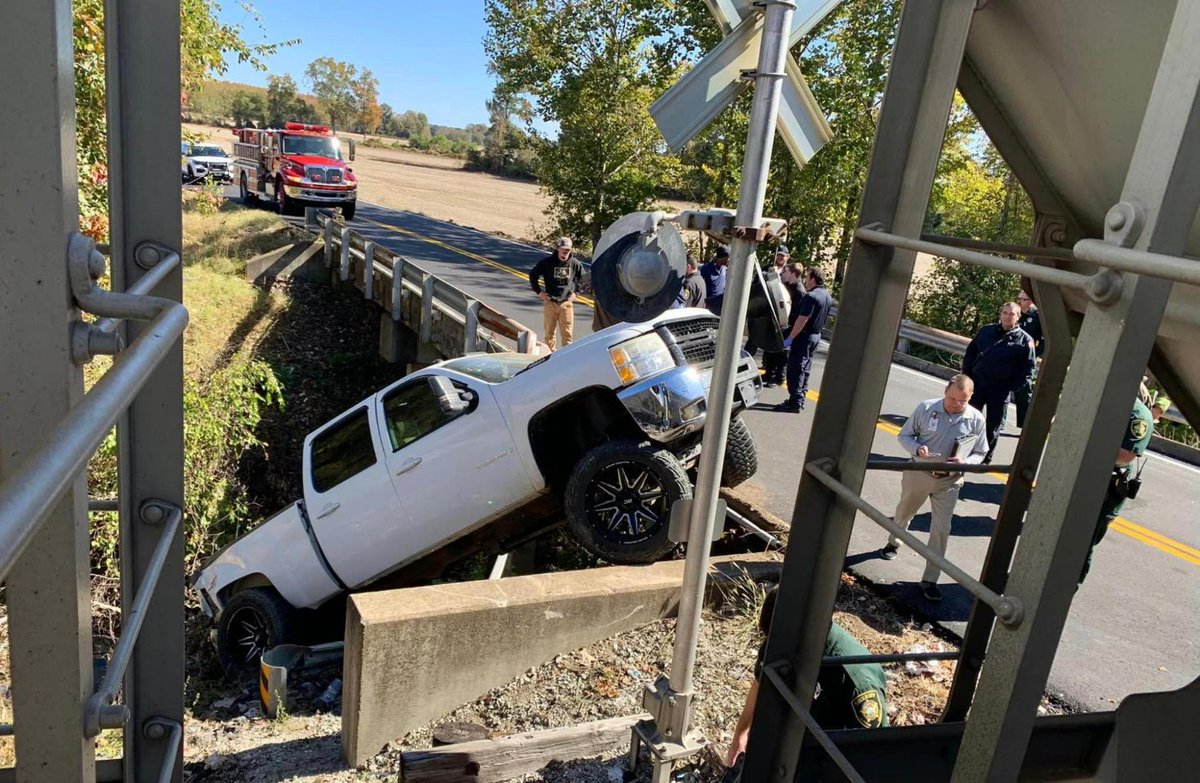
point(351, 148)
point(450, 399)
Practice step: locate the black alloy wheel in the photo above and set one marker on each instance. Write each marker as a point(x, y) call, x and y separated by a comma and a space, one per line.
point(627, 503)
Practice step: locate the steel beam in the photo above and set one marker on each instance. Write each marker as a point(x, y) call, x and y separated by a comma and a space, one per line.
point(1157, 209)
point(912, 123)
point(49, 616)
point(1052, 310)
point(143, 127)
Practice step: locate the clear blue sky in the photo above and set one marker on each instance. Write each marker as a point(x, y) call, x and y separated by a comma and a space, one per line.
point(427, 54)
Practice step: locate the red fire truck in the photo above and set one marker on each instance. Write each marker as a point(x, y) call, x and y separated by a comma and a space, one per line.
point(296, 166)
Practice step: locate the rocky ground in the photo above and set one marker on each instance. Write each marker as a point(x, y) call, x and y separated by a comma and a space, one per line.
point(228, 740)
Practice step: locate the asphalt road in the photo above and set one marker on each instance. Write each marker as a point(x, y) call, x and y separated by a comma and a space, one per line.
point(1134, 625)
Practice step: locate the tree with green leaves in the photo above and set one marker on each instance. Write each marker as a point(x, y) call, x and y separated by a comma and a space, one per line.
point(591, 68)
point(368, 114)
point(249, 111)
point(334, 84)
point(284, 103)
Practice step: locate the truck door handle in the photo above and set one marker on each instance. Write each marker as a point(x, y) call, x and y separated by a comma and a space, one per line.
point(408, 465)
point(329, 509)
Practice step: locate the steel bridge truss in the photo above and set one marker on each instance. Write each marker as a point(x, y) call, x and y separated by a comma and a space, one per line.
point(1024, 593)
point(50, 428)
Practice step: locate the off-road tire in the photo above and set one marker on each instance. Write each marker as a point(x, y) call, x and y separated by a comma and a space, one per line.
point(626, 475)
point(741, 455)
point(252, 622)
point(348, 210)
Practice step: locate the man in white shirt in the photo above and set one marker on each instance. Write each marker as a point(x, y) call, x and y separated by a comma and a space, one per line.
point(943, 429)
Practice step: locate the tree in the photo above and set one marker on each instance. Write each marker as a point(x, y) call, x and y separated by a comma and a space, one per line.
point(387, 120)
point(283, 101)
point(368, 114)
point(592, 68)
point(248, 110)
point(333, 82)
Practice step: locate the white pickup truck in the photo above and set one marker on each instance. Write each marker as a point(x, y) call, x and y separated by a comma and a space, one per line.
point(469, 453)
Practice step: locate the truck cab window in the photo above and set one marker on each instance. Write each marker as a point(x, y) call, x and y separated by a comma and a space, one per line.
point(412, 412)
point(342, 451)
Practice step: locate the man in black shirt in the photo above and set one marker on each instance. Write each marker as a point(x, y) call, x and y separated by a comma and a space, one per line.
point(1031, 323)
point(805, 335)
point(999, 360)
point(555, 279)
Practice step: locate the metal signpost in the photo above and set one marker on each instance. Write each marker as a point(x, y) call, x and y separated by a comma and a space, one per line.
point(765, 30)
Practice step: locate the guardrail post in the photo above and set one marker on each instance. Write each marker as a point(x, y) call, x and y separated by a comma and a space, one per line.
point(328, 243)
point(426, 308)
point(47, 590)
point(471, 339)
point(397, 289)
point(344, 269)
point(310, 219)
point(368, 270)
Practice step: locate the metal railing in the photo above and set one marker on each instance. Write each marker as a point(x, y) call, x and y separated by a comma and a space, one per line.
point(26, 498)
point(1009, 609)
point(441, 314)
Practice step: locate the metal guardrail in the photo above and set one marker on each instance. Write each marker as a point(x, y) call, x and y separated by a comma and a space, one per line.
point(448, 318)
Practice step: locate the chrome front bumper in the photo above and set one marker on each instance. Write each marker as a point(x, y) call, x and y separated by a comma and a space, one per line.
point(675, 403)
point(326, 196)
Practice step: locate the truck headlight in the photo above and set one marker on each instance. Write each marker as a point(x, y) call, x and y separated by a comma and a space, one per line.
point(640, 358)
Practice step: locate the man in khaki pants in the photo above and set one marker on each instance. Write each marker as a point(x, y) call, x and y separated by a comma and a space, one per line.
point(943, 429)
point(555, 279)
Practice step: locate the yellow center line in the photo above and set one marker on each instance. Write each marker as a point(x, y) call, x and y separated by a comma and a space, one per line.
point(1120, 524)
point(466, 253)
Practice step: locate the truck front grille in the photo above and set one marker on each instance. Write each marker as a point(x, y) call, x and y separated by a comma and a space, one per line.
point(327, 175)
point(693, 341)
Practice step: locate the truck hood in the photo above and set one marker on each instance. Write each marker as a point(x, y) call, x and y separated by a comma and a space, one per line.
point(208, 160)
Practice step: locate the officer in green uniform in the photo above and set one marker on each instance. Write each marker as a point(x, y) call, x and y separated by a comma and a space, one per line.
point(1125, 481)
point(848, 696)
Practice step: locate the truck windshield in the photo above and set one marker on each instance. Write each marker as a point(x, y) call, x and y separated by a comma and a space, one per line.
point(491, 367)
point(215, 152)
point(317, 146)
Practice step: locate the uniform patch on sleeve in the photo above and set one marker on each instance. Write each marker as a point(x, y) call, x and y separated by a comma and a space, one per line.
point(1138, 428)
point(868, 708)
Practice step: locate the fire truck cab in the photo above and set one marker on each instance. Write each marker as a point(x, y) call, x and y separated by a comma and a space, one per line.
point(296, 166)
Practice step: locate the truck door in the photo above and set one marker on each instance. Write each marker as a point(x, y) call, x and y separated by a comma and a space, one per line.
point(453, 472)
point(349, 496)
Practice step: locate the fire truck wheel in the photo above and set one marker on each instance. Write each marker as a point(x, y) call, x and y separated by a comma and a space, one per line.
point(282, 201)
point(348, 210)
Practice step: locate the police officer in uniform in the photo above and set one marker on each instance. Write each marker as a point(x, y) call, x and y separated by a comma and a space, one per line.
point(1030, 323)
point(1125, 481)
point(849, 696)
point(999, 360)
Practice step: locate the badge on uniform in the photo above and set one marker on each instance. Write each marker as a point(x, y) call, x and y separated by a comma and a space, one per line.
point(1139, 428)
point(933, 421)
point(868, 708)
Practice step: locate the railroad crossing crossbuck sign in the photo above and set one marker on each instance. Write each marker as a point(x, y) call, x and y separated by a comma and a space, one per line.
point(704, 92)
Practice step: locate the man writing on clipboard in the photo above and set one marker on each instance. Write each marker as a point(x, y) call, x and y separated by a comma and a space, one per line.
point(943, 429)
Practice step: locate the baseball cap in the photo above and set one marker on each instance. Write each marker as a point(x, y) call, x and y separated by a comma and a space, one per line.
point(722, 251)
point(565, 242)
point(782, 249)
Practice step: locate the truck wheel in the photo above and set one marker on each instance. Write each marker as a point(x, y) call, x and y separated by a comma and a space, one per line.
point(252, 622)
point(348, 210)
point(283, 201)
point(618, 501)
point(741, 456)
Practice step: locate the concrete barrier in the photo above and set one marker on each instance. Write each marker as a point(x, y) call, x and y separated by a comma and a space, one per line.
point(301, 260)
point(413, 655)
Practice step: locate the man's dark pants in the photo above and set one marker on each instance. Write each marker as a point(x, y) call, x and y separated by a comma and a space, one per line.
point(1114, 500)
point(773, 366)
point(992, 402)
point(799, 365)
